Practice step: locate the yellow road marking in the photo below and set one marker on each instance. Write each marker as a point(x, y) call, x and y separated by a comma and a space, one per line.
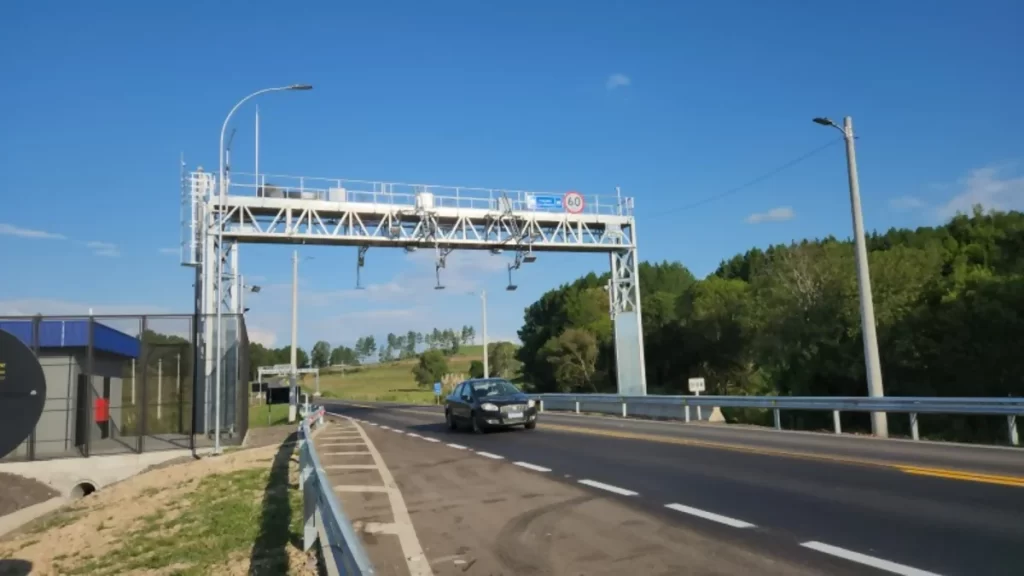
point(948, 473)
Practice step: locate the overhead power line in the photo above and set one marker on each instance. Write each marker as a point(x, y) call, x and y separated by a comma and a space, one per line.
point(754, 182)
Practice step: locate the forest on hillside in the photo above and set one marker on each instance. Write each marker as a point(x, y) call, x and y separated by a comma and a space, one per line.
point(949, 307)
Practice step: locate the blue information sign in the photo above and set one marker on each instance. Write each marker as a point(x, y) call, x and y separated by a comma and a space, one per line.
point(548, 201)
point(437, 388)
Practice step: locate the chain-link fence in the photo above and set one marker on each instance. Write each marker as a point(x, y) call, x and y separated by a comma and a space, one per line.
point(133, 384)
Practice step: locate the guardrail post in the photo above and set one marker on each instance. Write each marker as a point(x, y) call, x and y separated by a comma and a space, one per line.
point(623, 407)
point(835, 422)
point(542, 406)
point(577, 406)
point(310, 495)
point(913, 426)
point(778, 419)
point(699, 415)
point(686, 412)
point(1011, 421)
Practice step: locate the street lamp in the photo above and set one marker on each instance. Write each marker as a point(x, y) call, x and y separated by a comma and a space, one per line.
point(879, 425)
point(222, 183)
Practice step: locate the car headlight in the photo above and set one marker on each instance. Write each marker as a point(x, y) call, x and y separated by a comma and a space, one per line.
point(488, 407)
point(531, 403)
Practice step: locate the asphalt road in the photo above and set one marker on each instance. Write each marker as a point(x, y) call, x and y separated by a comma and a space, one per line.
point(895, 505)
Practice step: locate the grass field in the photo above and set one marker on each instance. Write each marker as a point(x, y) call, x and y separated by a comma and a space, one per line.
point(260, 416)
point(392, 382)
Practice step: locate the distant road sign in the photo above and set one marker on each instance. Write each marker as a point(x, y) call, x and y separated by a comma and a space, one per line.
point(696, 384)
point(548, 202)
point(437, 388)
point(573, 202)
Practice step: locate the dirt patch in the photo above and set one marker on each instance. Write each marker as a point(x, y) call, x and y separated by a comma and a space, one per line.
point(239, 513)
point(20, 492)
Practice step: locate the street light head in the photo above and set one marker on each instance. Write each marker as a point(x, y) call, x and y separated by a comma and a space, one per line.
point(824, 121)
point(255, 289)
point(301, 87)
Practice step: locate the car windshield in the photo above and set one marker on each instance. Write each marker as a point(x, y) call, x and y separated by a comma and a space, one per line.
point(494, 388)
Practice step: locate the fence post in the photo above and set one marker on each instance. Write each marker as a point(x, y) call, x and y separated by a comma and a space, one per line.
point(577, 406)
point(141, 410)
point(541, 405)
point(686, 411)
point(623, 407)
point(913, 426)
point(836, 423)
point(778, 419)
point(1011, 421)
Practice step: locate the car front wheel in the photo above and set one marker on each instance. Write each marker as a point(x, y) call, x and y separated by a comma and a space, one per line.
point(477, 429)
point(449, 420)
point(530, 425)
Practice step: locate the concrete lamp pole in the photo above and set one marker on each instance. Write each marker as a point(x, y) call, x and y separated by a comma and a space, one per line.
point(483, 311)
point(218, 267)
point(879, 423)
point(294, 393)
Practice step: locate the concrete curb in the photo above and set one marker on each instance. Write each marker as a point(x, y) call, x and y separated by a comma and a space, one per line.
point(19, 518)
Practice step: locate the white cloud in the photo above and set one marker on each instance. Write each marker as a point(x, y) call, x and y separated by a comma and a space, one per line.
point(104, 249)
point(11, 230)
point(617, 81)
point(992, 187)
point(906, 203)
point(259, 335)
point(780, 214)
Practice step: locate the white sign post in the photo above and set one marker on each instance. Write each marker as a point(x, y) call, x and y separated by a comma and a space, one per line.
point(696, 386)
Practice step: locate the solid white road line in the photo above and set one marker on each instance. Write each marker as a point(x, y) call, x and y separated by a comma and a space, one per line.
point(710, 516)
point(533, 467)
point(608, 487)
point(458, 446)
point(414, 435)
point(429, 439)
point(867, 560)
point(491, 456)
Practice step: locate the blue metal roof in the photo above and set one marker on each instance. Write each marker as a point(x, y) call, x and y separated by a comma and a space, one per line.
point(74, 334)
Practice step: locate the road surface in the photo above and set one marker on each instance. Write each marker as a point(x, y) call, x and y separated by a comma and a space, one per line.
point(898, 506)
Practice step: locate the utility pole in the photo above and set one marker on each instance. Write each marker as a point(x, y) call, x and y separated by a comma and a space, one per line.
point(483, 300)
point(873, 367)
point(293, 396)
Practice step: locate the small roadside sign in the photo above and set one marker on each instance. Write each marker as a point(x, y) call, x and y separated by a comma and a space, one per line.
point(437, 391)
point(696, 385)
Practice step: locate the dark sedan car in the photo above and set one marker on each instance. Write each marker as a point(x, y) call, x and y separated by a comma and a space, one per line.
point(489, 403)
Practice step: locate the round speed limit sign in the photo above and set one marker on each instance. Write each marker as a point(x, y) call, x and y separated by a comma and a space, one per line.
point(573, 202)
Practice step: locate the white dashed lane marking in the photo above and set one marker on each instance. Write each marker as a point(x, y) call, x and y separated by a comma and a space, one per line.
point(710, 516)
point(490, 455)
point(859, 558)
point(608, 487)
point(533, 467)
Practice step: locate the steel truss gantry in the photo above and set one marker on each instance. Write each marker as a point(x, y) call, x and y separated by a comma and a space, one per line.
point(277, 209)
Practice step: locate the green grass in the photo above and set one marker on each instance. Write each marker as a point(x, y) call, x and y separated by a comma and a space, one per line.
point(391, 382)
point(259, 417)
point(248, 512)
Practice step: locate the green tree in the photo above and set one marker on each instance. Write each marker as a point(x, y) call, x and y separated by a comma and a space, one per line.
point(501, 359)
point(432, 366)
point(343, 355)
point(321, 356)
point(476, 369)
point(573, 354)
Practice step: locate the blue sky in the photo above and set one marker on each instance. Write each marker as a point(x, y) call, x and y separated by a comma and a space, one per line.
point(673, 101)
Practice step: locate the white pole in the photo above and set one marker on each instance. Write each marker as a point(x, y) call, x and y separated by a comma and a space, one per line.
point(257, 170)
point(879, 424)
point(483, 300)
point(177, 386)
point(159, 388)
point(698, 407)
point(292, 405)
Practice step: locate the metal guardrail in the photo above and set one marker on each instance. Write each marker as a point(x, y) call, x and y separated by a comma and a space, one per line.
point(678, 407)
point(322, 514)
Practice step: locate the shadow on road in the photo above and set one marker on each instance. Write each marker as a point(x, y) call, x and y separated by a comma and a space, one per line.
point(15, 567)
point(270, 551)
